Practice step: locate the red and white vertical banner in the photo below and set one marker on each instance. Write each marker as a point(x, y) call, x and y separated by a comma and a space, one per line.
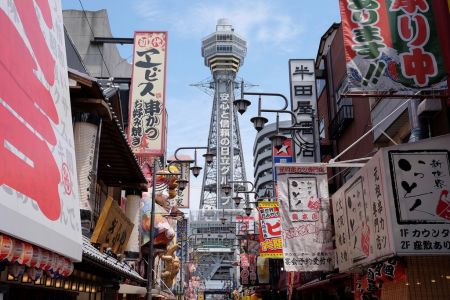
point(38, 178)
point(146, 128)
point(305, 218)
point(392, 45)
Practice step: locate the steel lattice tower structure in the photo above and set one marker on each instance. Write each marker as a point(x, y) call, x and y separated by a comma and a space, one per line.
point(223, 52)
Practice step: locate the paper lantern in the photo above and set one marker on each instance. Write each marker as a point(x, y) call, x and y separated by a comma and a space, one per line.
point(36, 258)
point(27, 254)
point(6, 247)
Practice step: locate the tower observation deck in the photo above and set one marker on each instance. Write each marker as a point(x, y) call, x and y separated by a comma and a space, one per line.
point(223, 52)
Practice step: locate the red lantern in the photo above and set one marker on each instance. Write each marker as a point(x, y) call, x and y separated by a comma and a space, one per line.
point(6, 247)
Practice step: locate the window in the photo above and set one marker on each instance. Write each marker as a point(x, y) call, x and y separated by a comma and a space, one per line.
point(322, 128)
point(343, 88)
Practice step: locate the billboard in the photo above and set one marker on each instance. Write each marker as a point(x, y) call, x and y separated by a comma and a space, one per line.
point(38, 180)
point(148, 91)
point(269, 230)
point(397, 204)
point(391, 45)
point(305, 218)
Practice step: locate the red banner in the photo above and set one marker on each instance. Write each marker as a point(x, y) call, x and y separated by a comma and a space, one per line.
point(391, 45)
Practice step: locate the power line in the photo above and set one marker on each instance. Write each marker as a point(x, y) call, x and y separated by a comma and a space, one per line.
point(92, 32)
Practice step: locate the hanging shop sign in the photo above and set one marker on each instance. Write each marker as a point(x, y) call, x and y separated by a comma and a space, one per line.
point(397, 204)
point(148, 92)
point(181, 200)
point(248, 272)
point(391, 45)
point(369, 284)
point(113, 227)
point(245, 225)
point(269, 230)
point(305, 218)
point(38, 179)
point(304, 105)
point(282, 155)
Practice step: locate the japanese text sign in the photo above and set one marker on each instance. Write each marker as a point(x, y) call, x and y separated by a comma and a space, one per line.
point(305, 218)
point(397, 204)
point(147, 97)
point(269, 230)
point(418, 184)
point(113, 228)
point(361, 220)
point(38, 180)
point(304, 105)
point(391, 45)
point(181, 200)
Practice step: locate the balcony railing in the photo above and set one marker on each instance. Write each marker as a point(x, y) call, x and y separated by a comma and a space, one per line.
point(341, 121)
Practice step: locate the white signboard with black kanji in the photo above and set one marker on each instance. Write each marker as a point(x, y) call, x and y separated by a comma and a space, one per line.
point(419, 184)
point(304, 105)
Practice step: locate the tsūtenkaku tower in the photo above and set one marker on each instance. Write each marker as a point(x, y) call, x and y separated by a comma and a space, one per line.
point(224, 53)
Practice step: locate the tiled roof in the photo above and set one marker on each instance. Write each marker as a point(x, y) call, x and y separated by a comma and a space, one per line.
point(110, 262)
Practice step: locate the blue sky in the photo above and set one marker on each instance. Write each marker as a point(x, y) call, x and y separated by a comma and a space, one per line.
point(275, 32)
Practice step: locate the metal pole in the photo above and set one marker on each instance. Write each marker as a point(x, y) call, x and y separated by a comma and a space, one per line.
point(152, 225)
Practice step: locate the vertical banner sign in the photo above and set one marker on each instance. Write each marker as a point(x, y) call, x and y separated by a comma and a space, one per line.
point(304, 105)
point(249, 275)
point(38, 179)
point(391, 45)
point(182, 198)
point(269, 230)
point(305, 218)
point(148, 92)
point(282, 155)
point(361, 222)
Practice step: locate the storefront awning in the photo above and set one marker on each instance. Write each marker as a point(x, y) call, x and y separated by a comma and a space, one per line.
point(132, 290)
point(117, 164)
point(108, 262)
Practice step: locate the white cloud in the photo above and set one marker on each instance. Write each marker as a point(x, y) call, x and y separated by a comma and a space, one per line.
point(260, 22)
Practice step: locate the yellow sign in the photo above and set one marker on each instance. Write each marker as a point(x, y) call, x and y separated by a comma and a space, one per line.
point(113, 228)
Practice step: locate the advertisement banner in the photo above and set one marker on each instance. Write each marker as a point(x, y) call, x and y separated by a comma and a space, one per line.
point(39, 200)
point(148, 92)
point(305, 218)
point(391, 45)
point(269, 230)
point(361, 221)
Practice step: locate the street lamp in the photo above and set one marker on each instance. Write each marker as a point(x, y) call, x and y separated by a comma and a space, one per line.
point(295, 128)
point(209, 157)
